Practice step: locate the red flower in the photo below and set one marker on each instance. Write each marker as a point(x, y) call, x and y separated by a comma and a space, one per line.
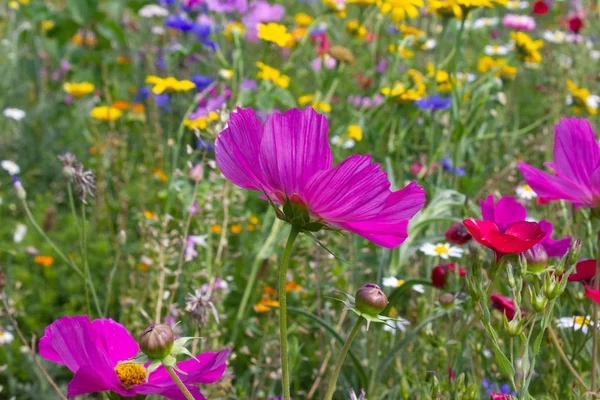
point(458, 234)
point(499, 396)
point(584, 271)
point(540, 7)
point(592, 294)
point(438, 275)
point(505, 305)
point(575, 24)
point(517, 238)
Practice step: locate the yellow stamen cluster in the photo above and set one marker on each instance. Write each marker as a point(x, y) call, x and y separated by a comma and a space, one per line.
point(131, 374)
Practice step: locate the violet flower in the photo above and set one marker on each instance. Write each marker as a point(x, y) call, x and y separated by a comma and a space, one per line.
point(227, 6)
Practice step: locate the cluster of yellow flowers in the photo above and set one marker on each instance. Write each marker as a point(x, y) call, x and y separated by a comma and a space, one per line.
point(400, 9)
point(355, 28)
point(407, 93)
point(503, 69)
point(527, 48)
point(202, 122)
point(318, 105)
point(170, 84)
point(275, 33)
point(460, 8)
point(582, 99)
point(268, 73)
point(79, 89)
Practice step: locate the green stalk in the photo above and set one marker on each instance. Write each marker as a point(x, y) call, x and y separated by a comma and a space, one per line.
point(595, 320)
point(285, 367)
point(340, 361)
point(179, 383)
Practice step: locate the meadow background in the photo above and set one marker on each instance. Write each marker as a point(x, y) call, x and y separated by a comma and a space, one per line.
point(138, 91)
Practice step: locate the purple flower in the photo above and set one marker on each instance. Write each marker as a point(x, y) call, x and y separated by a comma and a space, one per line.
point(179, 23)
point(201, 81)
point(576, 164)
point(435, 102)
point(447, 165)
point(190, 246)
point(93, 351)
point(227, 6)
point(248, 84)
point(289, 160)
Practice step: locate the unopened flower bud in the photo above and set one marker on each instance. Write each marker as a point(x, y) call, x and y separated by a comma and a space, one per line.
point(196, 173)
point(19, 189)
point(537, 259)
point(458, 234)
point(157, 341)
point(370, 299)
point(551, 286)
point(538, 301)
point(446, 300)
point(514, 327)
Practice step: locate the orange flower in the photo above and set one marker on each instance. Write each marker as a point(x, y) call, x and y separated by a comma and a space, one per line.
point(123, 60)
point(121, 105)
point(138, 108)
point(160, 175)
point(45, 261)
point(265, 305)
point(292, 287)
point(236, 229)
point(143, 267)
point(216, 228)
point(269, 291)
point(150, 215)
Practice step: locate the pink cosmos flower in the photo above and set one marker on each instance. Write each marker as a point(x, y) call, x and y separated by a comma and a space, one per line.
point(576, 166)
point(519, 22)
point(93, 350)
point(290, 161)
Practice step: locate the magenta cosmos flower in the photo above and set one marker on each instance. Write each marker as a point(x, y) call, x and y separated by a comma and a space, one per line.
point(93, 350)
point(289, 160)
point(576, 166)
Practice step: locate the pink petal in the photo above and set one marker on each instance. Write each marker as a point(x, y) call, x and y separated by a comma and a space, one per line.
point(237, 149)
point(90, 380)
point(355, 190)
point(382, 234)
point(595, 181)
point(576, 151)
point(208, 369)
point(507, 211)
point(526, 230)
point(403, 204)
point(114, 339)
point(552, 187)
point(488, 208)
point(293, 149)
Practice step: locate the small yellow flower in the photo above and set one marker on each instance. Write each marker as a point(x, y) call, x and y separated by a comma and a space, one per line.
point(233, 28)
point(198, 123)
point(251, 228)
point(275, 33)
point(160, 175)
point(254, 220)
point(527, 48)
point(226, 74)
point(303, 19)
point(236, 229)
point(216, 228)
point(338, 7)
point(410, 31)
point(79, 89)
point(400, 9)
point(170, 84)
point(44, 261)
point(268, 73)
point(322, 107)
point(150, 215)
point(354, 132)
point(13, 5)
point(105, 113)
point(48, 25)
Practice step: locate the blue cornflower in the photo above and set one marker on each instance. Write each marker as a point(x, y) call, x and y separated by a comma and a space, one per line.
point(201, 81)
point(435, 102)
point(447, 165)
point(179, 23)
point(205, 145)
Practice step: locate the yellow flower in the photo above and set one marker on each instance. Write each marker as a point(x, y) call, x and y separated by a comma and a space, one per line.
point(236, 229)
point(105, 113)
point(150, 215)
point(216, 228)
point(271, 74)
point(226, 74)
point(402, 51)
point(45, 261)
point(487, 63)
point(79, 89)
point(306, 99)
point(357, 29)
point(275, 33)
point(582, 99)
point(410, 31)
point(160, 175)
point(527, 48)
point(254, 220)
point(362, 2)
point(265, 305)
point(322, 107)
point(232, 28)
point(354, 132)
point(170, 84)
point(250, 228)
point(198, 123)
point(48, 25)
point(399, 10)
point(338, 7)
point(303, 19)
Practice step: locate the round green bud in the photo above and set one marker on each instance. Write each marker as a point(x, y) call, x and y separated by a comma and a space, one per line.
point(157, 341)
point(370, 299)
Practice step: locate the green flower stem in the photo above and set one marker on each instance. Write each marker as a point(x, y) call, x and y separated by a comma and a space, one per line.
point(342, 356)
point(595, 320)
point(179, 384)
point(285, 367)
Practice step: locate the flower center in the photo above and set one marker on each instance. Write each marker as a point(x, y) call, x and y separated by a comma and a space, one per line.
point(131, 374)
point(527, 188)
point(441, 249)
point(400, 282)
point(581, 320)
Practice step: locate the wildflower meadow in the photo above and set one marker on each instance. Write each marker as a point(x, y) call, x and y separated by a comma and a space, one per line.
point(310, 199)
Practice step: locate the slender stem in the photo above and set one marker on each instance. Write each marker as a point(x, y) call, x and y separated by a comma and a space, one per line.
point(285, 368)
point(340, 361)
point(562, 355)
point(595, 320)
point(87, 273)
point(179, 384)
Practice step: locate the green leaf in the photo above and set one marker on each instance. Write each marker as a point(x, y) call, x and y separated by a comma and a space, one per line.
point(82, 11)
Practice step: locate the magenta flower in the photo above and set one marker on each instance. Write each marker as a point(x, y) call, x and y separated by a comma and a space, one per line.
point(576, 164)
point(519, 22)
point(289, 160)
point(93, 350)
point(227, 6)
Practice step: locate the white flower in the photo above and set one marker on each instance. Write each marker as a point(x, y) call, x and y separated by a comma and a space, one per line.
point(391, 281)
point(595, 54)
point(5, 337)
point(335, 140)
point(554, 36)
point(496, 50)
point(348, 144)
point(14, 113)
point(525, 192)
point(575, 322)
point(20, 232)
point(485, 22)
point(442, 250)
point(11, 167)
point(419, 288)
point(565, 61)
point(592, 101)
point(517, 5)
point(158, 30)
point(399, 324)
point(429, 44)
point(153, 10)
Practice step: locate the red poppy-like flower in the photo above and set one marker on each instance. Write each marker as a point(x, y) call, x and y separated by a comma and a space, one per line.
point(584, 271)
point(517, 238)
point(458, 234)
point(590, 293)
point(438, 274)
point(505, 305)
point(575, 24)
point(540, 7)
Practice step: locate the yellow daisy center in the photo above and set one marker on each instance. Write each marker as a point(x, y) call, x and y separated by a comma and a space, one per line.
point(400, 282)
point(527, 188)
point(581, 320)
point(441, 249)
point(131, 374)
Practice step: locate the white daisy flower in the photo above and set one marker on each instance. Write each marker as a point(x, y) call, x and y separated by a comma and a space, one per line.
point(554, 36)
point(392, 281)
point(10, 166)
point(429, 44)
point(5, 337)
point(485, 22)
point(442, 250)
point(348, 144)
point(14, 113)
point(517, 5)
point(399, 324)
point(20, 232)
point(153, 10)
point(525, 192)
point(592, 101)
point(496, 50)
point(576, 322)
